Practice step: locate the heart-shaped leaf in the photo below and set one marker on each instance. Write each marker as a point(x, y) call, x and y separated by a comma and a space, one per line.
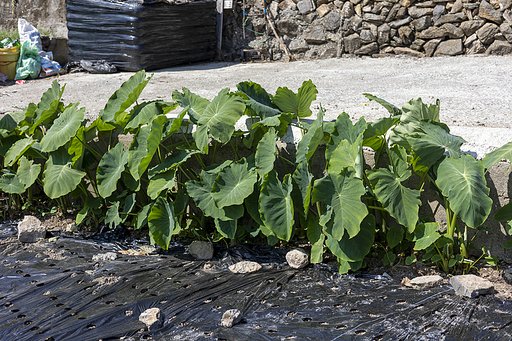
point(28, 171)
point(258, 100)
point(111, 165)
point(297, 104)
point(425, 235)
point(502, 153)
point(194, 103)
point(354, 249)
point(63, 128)
point(311, 140)
point(58, 177)
point(233, 184)
point(17, 150)
point(161, 222)
point(266, 152)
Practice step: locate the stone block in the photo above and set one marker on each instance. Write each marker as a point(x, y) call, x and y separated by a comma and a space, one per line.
point(424, 282)
point(506, 30)
point(499, 48)
point(438, 11)
point(408, 52)
point(398, 23)
point(152, 318)
point(417, 12)
point(476, 48)
point(347, 10)
point(332, 20)
point(383, 34)
point(451, 18)
point(305, 6)
point(200, 249)
point(323, 10)
point(352, 43)
point(486, 11)
point(430, 47)
point(406, 35)
point(471, 26)
point(367, 50)
point(287, 4)
point(315, 35)
point(454, 32)
point(422, 23)
point(30, 230)
point(432, 33)
point(450, 47)
point(298, 44)
point(471, 286)
point(487, 33)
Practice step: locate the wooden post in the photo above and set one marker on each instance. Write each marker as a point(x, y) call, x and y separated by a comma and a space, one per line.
point(220, 23)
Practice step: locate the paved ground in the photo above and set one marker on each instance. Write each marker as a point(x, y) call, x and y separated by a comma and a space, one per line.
point(475, 91)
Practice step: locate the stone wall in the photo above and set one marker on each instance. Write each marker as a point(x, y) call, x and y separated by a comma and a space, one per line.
point(314, 29)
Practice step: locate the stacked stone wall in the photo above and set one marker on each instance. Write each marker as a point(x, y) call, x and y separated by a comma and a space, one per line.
point(317, 29)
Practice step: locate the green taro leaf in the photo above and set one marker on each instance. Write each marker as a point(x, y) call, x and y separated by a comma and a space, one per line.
point(129, 203)
point(233, 184)
point(161, 222)
point(354, 249)
point(142, 216)
point(194, 103)
point(344, 130)
point(153, 143)
point(226, 228)
point(502, 153)
point(401, 202)
point(416, 110)
point(251, 205)
point(63, 128)
point(311, 140)
point(374, 135)
point(143, 114)
point(259, 100)
point(17, 150)
point(266, 152)
point(302, 187)
point(394, 236)
point(201, 139)
point(343, 193)
point(174, 124)
point(138, 151)
point(28, 172)
point(7, 124)
point(77, 148)
point(49, 105)
point(111, 165)
point(221, 115)
point(58, 177)
point(425, 235)
point(462, 181)
point(345, 155)
point(297, 104)
point(316, 238)
point(161, 182)
point(112, 218)
point(201, 192)
point(124, 97)
point(504, 213)
point(171, 162)
point(393, 110)
point(276, 206)
point(10, 183)
point(508, 244)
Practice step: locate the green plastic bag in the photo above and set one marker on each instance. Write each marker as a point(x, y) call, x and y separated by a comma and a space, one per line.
point(29, 64)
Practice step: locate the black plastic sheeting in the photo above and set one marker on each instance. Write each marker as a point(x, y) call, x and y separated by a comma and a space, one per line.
point(136, 35)
point(54, 291)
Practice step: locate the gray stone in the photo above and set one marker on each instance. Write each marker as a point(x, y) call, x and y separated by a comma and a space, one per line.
point(347, 10)
point(506, 30)
point(430, 47)
point(315, 35)
point(392, 13)
point(298, 258)
point(425, 4)
point(507, 15)
point(298, 45)
point(451, 18)
point(287, 26)
point(402, 12)
point(331, 21)
point(487, 32)
point(406, 3)
point(323, 10)
point(367, 36)
point(499, 48)
point(274, 8)
point(476, 48)
point(373, 28)
point(471, 26)
point(408, 52)
point(338, 4)
point(470, 39)
point(30, 230)
point(374, 18)
point(305, 6)
point(417, 44)
point(406, 35)
point(470, 5)
point(507, 273)
point(457, 6)
point(451, 47)
point(417, 12)
point(104, 257)
point(398, 23)
point(310, 17)
point(244, 267)
point(355, 2)
point(471, 286)
point(453, 31)
point(152, 318)
point(424, 282)
point(230, 318)
point(352, 43)
point(352, 25)
point(486, 11)
point(367, 49)
point(504, 4)
point(200, 249)
point(438, 12)
point(422, 23)
point(287, 4)
point(432, 33)
point(383, 34)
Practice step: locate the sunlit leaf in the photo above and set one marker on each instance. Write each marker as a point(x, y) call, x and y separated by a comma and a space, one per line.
point(63, 128)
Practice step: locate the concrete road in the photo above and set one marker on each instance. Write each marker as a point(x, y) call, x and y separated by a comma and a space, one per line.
point(475, 91)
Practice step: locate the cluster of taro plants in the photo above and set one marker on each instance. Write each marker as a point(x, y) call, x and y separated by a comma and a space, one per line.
point(173, 177)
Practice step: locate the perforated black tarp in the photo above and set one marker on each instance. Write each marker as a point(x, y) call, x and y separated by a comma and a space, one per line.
point(54, 291)
point(136, 35)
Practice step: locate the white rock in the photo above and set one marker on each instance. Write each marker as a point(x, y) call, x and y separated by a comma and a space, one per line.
point(103, 257)
point(230, 318)
point(425, 281)
point(201, 250)
point(30, 230)
point(244, 267)
point(297, 258)
point(471, 286)
point(152, 318)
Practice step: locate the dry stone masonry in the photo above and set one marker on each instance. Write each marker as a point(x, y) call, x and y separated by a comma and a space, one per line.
point(318, 29)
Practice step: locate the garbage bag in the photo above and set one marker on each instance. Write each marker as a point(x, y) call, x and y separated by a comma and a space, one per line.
point(98, 66)
point(29, 63)
point(28, 32)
